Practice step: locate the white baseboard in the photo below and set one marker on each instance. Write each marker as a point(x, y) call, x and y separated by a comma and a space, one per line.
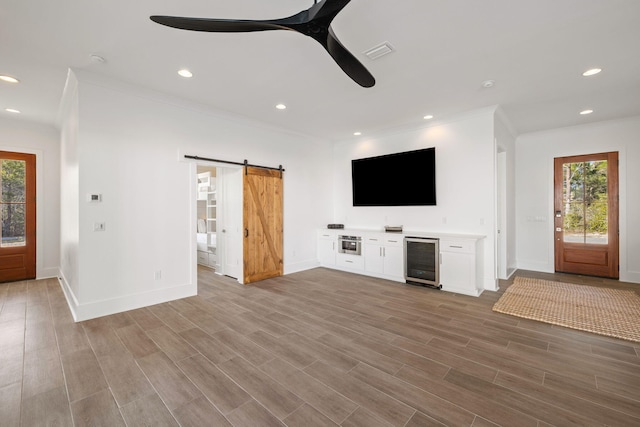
point(72, 301)
point(91, 310)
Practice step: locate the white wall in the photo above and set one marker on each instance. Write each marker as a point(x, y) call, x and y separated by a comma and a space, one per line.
point(43, 141)
point(506, 142)
point(130, 149)
point(69, 187)
point(465, 186)
point(534, 183)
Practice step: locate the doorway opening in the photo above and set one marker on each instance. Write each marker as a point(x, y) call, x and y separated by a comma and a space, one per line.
point(239, 220)
point(219, 220)
point(206, 234)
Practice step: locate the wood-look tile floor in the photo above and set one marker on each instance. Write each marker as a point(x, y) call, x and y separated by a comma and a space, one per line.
point(317, 348)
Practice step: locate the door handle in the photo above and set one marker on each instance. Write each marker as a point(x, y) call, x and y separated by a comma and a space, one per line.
point(246, 232)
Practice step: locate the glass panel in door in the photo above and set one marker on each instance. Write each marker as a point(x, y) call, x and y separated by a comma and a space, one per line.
point(12, 202)
point(585, 202)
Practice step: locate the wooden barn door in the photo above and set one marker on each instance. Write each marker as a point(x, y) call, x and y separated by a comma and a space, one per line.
point(18, 209)
point(262, 224)
point(586, 214)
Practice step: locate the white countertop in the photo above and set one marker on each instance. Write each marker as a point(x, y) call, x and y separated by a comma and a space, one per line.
point(405, 233)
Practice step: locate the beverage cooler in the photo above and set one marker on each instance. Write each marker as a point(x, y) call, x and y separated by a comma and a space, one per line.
point(422, 261)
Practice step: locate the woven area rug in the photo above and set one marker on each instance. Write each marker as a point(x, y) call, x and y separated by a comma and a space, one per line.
point(610, 312)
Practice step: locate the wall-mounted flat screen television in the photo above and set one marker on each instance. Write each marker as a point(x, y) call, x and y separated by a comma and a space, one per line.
point(400, 179)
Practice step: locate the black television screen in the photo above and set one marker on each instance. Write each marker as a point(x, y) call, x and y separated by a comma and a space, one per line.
point(400, 179)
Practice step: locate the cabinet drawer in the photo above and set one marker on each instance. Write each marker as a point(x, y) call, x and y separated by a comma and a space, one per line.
point(350, 261)
point(462, 246)
point(213, 258)
point(203, 257)
point(373, 239)
point(393, 241)
point(327, 234)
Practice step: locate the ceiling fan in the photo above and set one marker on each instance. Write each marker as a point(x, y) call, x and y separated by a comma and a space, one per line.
point(314, 22)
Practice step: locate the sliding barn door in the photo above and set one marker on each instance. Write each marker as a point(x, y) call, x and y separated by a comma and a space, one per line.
point(18, 207)
point(262, 224)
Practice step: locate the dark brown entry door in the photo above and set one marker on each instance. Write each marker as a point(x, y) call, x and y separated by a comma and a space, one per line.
point(262, 224)
point(586, 214)
point(18, 209)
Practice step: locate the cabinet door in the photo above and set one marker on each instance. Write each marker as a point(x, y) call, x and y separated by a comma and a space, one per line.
point(373, 260)
point(393, 261)
point(457, 271)
point(327, 251)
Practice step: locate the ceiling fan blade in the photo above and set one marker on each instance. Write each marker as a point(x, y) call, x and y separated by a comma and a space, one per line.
point(314, 22)
point(327, 9)
point(349, 63)
point(217, 25)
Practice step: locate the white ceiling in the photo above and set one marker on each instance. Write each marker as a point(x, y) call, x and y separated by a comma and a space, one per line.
point(534, 50)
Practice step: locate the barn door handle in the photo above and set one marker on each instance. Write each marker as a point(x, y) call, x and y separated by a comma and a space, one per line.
point(246, 232)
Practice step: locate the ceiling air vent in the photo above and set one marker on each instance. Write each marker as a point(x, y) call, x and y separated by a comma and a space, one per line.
point(380, 50)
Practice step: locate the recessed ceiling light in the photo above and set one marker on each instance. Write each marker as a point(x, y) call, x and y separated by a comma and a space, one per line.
point(12, 110)
point(357, 133)
point(281, 107)
point(185, 73)
point(428, 117)
point(585, 112)
point(488, 83)
point(592, 72)
point(9, 79)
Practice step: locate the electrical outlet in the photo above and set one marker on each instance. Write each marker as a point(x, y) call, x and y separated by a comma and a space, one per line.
point(157, 275)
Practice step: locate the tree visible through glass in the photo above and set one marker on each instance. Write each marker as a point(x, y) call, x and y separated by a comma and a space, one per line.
point(585, 202)
point(12, 202)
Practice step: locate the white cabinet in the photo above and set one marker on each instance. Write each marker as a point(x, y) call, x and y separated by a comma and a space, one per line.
point(394, 261)
point(327, 247)
point(384, 256)
point(373, 260)
point(459, 266)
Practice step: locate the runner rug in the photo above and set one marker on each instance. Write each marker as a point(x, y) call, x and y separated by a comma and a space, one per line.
point(604, 311)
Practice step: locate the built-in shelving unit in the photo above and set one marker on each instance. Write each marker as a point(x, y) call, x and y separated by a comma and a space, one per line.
point(207, 216)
